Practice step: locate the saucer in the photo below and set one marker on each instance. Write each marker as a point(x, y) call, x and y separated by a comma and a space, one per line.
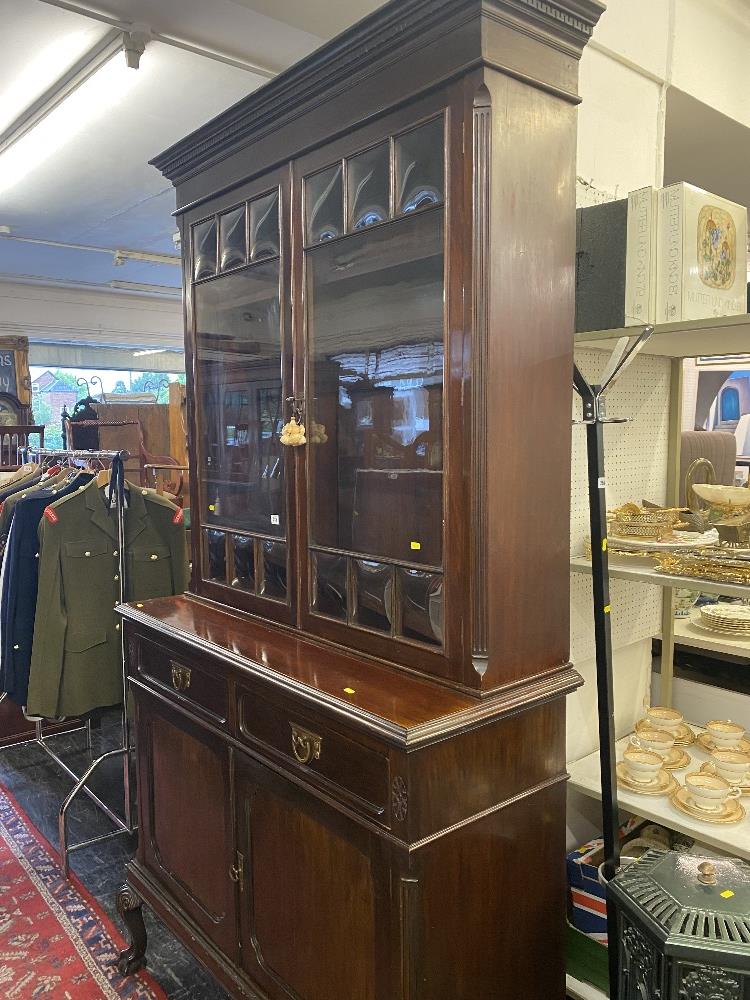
point(677, 758)
point(663, 784)
point(731, 811)
point(708, 744)
point(684, 735)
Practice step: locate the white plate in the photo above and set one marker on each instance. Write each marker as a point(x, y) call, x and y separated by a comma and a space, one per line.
point(682, 540)
point(735, 496)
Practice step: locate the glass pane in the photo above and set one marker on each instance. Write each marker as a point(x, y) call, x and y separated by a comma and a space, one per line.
point(330, 587)
point(420, 168)
point(421, 605)
point(215, 556)
point(232, 251)
point(244, 562)
point(367, 178)
point(373, 588)
point(241, 462)
point(274, 569)
point(375, 336)
point(324, 205)
point(204, 249)
point(264, 227)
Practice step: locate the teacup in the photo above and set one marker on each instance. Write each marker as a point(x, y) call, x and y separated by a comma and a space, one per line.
point(664, 718)
point(659, 741)
point(731, 765)
point(709, 792)
point(725, 734)
point(642, 766)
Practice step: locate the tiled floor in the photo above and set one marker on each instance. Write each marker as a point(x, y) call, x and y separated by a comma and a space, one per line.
point(40, 787)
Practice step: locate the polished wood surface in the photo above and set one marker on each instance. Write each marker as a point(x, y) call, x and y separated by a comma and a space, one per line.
point(379, 808)
point(408, 707)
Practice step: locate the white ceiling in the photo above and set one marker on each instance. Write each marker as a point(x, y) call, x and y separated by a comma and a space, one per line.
point(97, 188)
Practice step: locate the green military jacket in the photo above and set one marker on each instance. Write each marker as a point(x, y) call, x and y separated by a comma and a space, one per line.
point(76, 661)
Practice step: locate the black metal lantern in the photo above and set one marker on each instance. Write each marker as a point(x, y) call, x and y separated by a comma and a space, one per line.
point(683, 926)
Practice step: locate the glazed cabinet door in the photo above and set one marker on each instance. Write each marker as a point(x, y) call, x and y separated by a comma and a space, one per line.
point(186, 838)
point(314, 905)
point(239, 310)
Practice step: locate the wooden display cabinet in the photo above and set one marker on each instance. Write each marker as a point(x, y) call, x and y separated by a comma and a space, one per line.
point(355, 720)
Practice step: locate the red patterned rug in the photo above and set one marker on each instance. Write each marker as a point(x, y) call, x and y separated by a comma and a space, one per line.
point(55, 941)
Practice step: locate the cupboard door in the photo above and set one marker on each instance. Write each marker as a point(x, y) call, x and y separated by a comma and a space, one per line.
point(186, 820)
point(314, 898)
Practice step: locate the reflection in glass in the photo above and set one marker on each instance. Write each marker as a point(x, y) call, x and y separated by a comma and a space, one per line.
point(274, 569)
point(232, 239)
point(244, 562)
point(375, 336)
point(216, 556)
point(264, 227)
point(420, 168)
point(238, 350)
point(367, 178)
point(373, 588)
point(421, 605)
point(330, 576)
point(324, 205)
point(204, 249)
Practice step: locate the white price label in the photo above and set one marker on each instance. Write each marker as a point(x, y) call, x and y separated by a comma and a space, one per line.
point(275, 519)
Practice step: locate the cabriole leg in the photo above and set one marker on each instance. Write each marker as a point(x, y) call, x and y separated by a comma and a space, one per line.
point(129, 906)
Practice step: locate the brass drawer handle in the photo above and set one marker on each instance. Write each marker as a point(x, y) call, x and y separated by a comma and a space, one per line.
point(305, 745)
point(180, 677)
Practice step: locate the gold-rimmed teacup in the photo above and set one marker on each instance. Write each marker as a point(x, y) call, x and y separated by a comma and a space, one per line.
point(731, 765)
point(725, 734)
point(659, 717)
point(642, 766)
point(659, 741)
point(709, 792)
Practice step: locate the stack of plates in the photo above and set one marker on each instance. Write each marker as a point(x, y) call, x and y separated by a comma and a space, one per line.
point(730, 619)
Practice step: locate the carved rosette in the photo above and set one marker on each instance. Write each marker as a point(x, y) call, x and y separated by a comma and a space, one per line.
point(399, 799)
point(128, 899)
point(710, 983)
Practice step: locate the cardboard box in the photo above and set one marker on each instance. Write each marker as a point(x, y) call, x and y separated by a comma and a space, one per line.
point(701, 255)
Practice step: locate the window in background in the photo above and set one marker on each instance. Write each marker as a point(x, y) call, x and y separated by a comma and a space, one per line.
point(55, 388)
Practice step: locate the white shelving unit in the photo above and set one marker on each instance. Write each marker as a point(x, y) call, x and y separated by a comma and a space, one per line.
point(639, 572)
point(734, 839)
point(686, 634)
point(693, 339)
point(578, 990)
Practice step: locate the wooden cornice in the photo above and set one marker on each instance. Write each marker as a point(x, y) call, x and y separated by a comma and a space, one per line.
point(391, 34)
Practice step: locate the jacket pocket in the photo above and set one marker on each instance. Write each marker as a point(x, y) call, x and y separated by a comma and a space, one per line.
point(86, 549)
point(79, 640)
point(150, 572)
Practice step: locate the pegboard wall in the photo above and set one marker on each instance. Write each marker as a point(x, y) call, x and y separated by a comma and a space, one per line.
point(635, 456)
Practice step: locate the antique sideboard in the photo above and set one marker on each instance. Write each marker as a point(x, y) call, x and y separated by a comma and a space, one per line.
point(351, 732)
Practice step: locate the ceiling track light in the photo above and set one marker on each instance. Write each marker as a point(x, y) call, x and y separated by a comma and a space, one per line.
point(132, 43)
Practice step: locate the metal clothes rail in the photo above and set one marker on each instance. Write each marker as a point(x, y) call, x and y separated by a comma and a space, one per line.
point(124, 824)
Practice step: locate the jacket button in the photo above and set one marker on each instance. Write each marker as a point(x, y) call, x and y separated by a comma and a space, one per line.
point(117, 576)
point(115, 553)
point(16, 646)
point(87, 553)
point(154, 555)
point(117, 627)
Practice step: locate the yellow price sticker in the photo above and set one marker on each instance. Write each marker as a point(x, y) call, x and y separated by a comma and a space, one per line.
point(349, 691)
point(727, 894)
point(212, 506)
point(415, 546)
point(607, 608)
point(604, 544)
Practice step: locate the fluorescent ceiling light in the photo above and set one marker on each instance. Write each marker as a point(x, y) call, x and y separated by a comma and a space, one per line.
point(96, 86)
point(41, 71)
point(120, 256)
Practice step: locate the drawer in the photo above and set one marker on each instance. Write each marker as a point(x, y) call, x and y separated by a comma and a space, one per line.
point(185, 681)
point(349, 770)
